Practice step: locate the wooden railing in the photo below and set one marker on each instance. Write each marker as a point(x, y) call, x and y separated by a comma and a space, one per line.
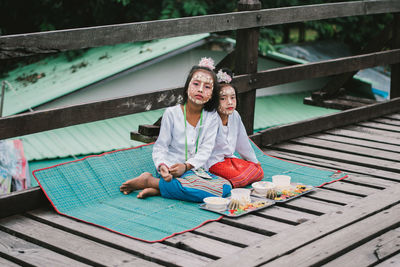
point(247, 22)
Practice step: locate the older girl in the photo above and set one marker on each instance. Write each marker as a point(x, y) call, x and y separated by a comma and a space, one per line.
point(186, 139)
point(232, 137)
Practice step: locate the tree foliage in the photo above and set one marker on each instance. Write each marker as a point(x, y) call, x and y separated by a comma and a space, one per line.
point(42, 15)
point(355, 31)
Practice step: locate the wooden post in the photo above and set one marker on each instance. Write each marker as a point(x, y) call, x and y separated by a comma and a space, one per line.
point(395, 68)
point(302, 32)
point(246, 53)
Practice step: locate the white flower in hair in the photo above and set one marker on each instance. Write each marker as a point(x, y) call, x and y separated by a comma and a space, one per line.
point(207, 62)
point(223, 77)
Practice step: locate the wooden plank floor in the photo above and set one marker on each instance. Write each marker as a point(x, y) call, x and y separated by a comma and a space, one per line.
point(353, 222)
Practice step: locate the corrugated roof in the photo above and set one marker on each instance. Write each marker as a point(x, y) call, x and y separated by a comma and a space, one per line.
point(53, 77)
point(88, 138)
point(276, 110)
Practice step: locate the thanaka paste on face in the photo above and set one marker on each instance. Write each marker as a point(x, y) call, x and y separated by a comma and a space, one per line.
point(224, 105)
point(203, 78)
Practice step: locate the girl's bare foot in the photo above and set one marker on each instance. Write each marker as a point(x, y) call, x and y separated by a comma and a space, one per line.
point(148, 192)
point(140, 182)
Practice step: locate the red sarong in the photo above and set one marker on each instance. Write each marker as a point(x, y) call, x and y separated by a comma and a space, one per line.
point(238, 171)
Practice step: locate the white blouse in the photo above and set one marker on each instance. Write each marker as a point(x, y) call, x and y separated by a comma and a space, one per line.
point(170, 145)
point(231, 138)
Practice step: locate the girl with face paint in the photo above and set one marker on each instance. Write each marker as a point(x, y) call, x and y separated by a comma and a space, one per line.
point(231, 138)
point(186, 139)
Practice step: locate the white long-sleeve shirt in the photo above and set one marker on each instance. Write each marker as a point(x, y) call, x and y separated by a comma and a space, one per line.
point(231, 138)
point(170, 145)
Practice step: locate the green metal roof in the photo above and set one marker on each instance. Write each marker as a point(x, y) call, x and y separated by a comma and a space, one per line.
point(55, 76)
point(88, 138)
point(276, 110)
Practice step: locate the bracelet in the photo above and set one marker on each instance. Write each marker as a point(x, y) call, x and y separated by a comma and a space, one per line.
point(186, 168)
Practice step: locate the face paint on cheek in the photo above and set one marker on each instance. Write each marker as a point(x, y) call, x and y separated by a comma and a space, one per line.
point(208, 94)
point(201, 85)
point(224, 111)
point(228, 105)
point(198, 101)
point(202, 78)
point(192, 91)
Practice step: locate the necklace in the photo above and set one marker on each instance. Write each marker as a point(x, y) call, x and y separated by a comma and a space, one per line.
point(198, 136)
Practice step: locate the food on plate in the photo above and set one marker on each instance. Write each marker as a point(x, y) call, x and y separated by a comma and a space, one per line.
point(271, 194)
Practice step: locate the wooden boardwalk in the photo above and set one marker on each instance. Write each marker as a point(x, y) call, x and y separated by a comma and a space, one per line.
point(353, 222)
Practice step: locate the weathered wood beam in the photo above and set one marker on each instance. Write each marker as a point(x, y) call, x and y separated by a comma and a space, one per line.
point(147, 133)
point(246, 61)
point(39, 121)
point(324, 68)
point(70, 39)
point(21, 201)
point(342, 102)
point(334, 103)
point(395, 68)
point(149, 130)
point(143, 138)
point(285, 132)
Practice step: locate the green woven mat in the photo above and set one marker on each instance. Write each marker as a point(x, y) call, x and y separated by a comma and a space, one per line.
point(88, 190)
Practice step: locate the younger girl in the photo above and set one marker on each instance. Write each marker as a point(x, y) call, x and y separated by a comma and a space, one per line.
point(184, 145)
point(232, 137)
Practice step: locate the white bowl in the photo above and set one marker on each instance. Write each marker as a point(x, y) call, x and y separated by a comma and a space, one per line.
point(281, 180)
point(242, 195)
point(262, 187)
point(216, 203)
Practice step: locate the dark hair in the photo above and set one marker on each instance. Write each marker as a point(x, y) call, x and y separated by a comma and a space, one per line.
point(222, 84)
point(211, 104)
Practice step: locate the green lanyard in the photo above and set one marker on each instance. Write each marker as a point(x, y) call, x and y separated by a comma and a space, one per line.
point(198, 136)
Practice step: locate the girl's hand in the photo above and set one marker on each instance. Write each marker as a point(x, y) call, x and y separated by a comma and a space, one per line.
point(177, 169)
point(165, 173)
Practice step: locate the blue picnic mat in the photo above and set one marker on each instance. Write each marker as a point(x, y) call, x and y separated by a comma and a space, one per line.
point(88, 189)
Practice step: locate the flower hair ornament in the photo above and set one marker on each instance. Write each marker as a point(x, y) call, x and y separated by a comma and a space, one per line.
point(207, 62)
point(223, 77)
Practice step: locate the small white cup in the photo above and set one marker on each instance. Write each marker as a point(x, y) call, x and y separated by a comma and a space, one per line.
point(262, 187)
point(241, 194)
point(281, 180)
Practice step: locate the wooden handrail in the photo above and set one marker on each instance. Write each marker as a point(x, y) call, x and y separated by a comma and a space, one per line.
point(289, 131)
point(62, 40)
point(38, 121)
point(323, 68)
